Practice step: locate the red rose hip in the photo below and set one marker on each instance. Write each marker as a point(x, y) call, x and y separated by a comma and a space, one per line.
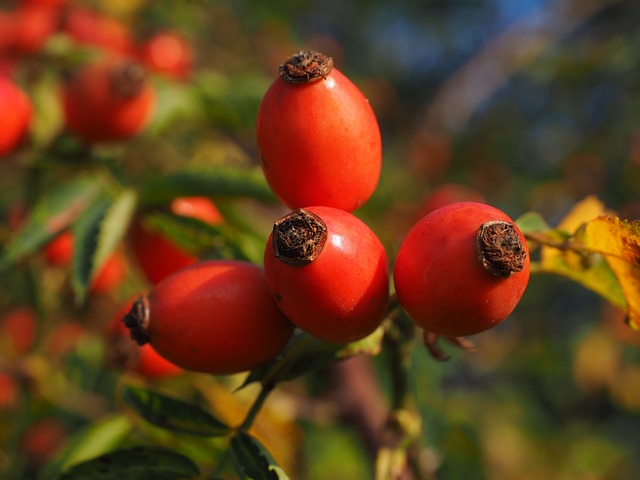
point(214, 317)
point(461, 269)
point(108, 101)
point(15, 115)
point(328, 273)
point(318, 137)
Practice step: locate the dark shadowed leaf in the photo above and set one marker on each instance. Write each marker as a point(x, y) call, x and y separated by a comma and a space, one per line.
point(198, 237)
point(143, 463)
point(252, 460)
point(221, 182)
point(54, 212)
point(172, 414)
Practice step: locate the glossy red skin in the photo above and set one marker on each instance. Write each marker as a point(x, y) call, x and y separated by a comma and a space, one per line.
point(216, 317)
point(342, 295)
point(15, 115)
point(157, 255)
point(97, 113)
point(319, 143)
point(149, 363)
point(168, 53)
point(439, 280)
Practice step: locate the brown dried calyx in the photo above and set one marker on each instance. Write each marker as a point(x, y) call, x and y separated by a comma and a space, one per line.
point(306, 66)
point(137, 321)
point(128, 79)
point(298, 238)
point(501, 250)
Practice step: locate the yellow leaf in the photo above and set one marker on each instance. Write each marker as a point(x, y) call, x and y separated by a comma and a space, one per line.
point(568, 258)
point(619, 242)
point(584, 211)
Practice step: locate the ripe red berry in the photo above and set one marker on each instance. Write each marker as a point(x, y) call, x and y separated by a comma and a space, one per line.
point(18, 330)
point(156, 254)
point(108, 101)
point(168, 53)
point(15, 115)
point(89, 27)
point(328, 273)
point(318, 136)
point(59, 251)
point(33, 25)
point(461, 269)
point(215, 317)
point(42, 440)
point(126, 354)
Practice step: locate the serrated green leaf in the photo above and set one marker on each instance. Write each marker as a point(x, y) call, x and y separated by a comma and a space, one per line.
point(50, 215)
point(221, 182)
point(97, 233)
point(172, 413)
point(135, 463)
point(94, 440)
point(252, 460)
point(86, 233)
point(115, 225)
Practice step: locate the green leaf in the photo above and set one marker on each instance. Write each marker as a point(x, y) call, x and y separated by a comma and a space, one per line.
point(115, 224)
point(135, 463)
point(86, 232)
point(173, 414)
point(532, 222)
point(198, 237)
point(219, 182)
point(252, 460)
point(96, 439)
point(50, 215)
point(96, 234)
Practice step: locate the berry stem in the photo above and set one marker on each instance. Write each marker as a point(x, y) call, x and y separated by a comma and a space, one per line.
point(265, 390)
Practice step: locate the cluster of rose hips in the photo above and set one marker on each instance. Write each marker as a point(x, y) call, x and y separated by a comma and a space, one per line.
point(107, 97)
point(460, 270)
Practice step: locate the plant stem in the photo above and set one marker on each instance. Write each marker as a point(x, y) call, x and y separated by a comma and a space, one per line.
point(265, 390)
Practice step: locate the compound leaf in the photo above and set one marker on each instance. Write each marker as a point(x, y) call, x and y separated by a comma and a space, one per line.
point(173, 414)
point(252, 460)
point(134, 463)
